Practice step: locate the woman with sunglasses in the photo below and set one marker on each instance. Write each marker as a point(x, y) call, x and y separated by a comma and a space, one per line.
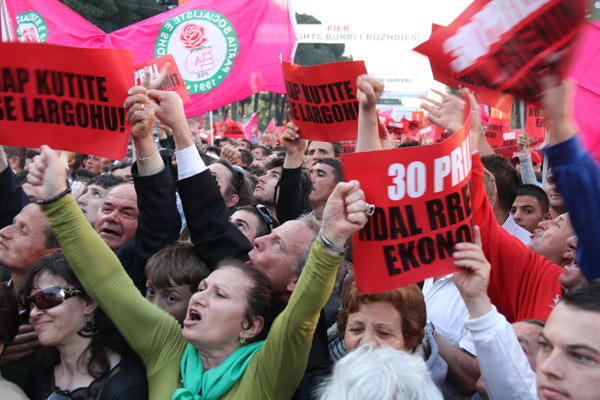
point(228, 348)
point(84, 357)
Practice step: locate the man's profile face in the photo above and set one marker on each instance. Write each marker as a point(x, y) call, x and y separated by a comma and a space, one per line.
point(550, 239)
point(117, 221)
point(568, 363)
point(323, 183)
point(527, 212)
point(273, 254)
point(264, 192)
point(23, 243)
point(571, 276)
point(317, 151)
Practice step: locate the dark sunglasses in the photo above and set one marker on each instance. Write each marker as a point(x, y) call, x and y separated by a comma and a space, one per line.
point(266, 215)
point(50, 297)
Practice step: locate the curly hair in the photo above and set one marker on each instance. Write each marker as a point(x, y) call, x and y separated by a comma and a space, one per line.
point(407, 300)
point(95, 357)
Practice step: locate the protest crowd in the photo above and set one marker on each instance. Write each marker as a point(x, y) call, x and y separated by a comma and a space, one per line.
point(225, 269)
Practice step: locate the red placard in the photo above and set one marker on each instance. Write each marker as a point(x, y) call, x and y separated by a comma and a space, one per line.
point(507, 43)
point(173, 81)
point(535, 125)
point(493, 132)
point(323, 99)
point(68, 98)
point(509, 147)
point(423, 206)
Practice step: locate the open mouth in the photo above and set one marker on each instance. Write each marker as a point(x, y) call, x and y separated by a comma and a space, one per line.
point(194, 316)
point(110, 232)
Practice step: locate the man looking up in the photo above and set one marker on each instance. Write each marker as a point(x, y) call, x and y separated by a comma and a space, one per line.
point(264, 192)
point(550, 239)
point(530, 207)
point(324, 175)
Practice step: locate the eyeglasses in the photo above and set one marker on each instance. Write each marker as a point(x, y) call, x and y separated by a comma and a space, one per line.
point(50, 297)
point(266, 215)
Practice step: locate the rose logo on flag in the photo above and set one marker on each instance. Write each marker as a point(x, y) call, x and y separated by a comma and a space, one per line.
point(31, 28)
point(193, 36)
point(204, 46)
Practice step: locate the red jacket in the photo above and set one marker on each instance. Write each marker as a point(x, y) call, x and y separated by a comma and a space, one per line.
point(523, 284)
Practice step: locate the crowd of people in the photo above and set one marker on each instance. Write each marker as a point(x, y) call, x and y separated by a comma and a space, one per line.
point(197, 271)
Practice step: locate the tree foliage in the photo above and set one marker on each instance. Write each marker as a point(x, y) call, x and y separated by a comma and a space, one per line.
point(110, 15)
point(308, 54)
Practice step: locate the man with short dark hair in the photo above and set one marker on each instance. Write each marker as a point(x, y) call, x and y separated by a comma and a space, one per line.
point(531, 207)
point(15, 157)
point(324, 175)
point(264, 192)
point(507, 185)
point(317, 150)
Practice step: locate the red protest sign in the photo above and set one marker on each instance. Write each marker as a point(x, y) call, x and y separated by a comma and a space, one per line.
point(423, 205)
point(323, 99)
point(507, 43)
point(509, 147)
point(493, 132)
point(173, 81)
point(535, 124)
point(68, 98)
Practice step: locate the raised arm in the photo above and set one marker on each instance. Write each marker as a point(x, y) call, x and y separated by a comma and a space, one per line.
point(527, 172)
point(576, 174)
point(214, 237)
point(158, 220)
point(282, 361)
point(290, 200)
point(369, 90)
point(152, 333)
point(502, 362)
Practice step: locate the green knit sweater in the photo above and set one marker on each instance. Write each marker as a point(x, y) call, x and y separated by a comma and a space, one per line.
point(274, 372)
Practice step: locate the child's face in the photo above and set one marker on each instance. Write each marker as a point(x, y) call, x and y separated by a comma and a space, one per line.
point(173, 299)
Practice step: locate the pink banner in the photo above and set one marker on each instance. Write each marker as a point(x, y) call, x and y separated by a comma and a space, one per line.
point(222, 54)
point(584, 70)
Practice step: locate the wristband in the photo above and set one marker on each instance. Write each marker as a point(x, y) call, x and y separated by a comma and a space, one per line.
point(53, 198)
point(329, 245)
point(147, 157)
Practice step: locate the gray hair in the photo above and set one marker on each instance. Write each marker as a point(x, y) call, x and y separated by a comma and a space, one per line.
point(314, 225)
point(383, 373)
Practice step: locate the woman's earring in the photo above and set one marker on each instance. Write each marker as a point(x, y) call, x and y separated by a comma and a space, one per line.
point(242, 341)
point(89, 329)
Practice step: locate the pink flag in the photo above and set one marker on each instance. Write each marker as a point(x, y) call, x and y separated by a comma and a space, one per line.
point(584, 69)
point(251, 124)
point(271, 125)
point(387, 113)
point(222, 54)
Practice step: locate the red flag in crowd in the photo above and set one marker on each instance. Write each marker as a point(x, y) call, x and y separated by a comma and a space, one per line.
point(223, 55)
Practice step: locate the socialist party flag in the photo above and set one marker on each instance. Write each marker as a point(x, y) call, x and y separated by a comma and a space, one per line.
point(225, 50)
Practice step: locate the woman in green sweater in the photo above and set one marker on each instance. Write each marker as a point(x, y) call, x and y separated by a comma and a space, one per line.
point(220, 352)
